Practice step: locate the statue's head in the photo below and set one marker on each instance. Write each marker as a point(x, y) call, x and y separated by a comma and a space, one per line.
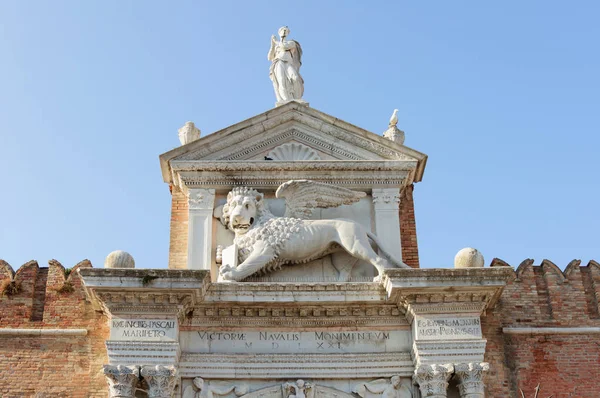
point(243, 209)
point(395, 381)
point(284, 31)
point(300, 383)
point(199, 383)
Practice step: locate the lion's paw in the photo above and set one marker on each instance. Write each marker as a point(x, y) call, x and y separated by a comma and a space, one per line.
point(226, 273)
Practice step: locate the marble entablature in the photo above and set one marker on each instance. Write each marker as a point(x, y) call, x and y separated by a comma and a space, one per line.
point(264, 335)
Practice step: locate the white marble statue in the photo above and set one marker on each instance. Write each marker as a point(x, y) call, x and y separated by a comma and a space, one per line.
point(383, 388)
point(188, 133)
point(286, 59)
point(299, 389)
point(265, 243)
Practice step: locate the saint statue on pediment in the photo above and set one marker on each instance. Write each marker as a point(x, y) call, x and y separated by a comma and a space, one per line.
point(286, 59)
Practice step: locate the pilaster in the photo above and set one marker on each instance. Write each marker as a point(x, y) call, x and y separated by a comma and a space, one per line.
point(200, 208)
point(433, 379)
point(121, 380)
point(386, 202)
point(161, 380)
point(471, 379)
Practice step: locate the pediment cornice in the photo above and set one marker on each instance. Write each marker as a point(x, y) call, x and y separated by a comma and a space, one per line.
point(293, 122)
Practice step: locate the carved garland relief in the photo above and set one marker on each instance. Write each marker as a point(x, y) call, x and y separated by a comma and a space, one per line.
point(380, 388)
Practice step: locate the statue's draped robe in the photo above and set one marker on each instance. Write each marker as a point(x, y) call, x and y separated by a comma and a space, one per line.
point(286, 59)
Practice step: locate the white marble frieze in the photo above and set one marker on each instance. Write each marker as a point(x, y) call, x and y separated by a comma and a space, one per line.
point(266, 366)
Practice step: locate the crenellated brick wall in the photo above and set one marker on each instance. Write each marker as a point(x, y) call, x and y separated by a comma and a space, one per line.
point(51, 365)
point(565, 364)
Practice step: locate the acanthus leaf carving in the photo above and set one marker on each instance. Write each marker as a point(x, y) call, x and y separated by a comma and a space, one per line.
point(386, 198)
point(121, 380)
point(433, 379)
point(161, 380)
point(471, 378)
point(201, 199)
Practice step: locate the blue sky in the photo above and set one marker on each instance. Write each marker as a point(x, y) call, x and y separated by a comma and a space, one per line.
point(502, 96)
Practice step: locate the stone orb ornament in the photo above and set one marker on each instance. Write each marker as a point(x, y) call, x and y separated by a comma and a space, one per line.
point(119, 259)
point(468, 258)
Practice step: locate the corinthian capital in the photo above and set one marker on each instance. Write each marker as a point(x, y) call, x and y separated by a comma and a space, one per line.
point(433, 379)
point(121, 380)
point(161, 380)
point(201, 199)
point(470, 377)
point(386, 198)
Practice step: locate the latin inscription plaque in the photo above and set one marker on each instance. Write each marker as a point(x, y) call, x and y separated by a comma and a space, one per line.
point(447, 328)
point(211, 341)
point(143, 329)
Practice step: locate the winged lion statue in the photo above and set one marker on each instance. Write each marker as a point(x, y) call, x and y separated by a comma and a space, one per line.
point(265, 242)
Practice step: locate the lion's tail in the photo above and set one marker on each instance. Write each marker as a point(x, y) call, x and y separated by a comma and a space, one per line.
point(386, 254)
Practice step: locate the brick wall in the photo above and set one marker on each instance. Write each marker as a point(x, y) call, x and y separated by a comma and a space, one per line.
point(566, 365)
point(179, 230)
point(408, 228)
point(50, 366)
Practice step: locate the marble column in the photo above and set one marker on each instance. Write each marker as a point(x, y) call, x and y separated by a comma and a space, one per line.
point(386, 202)
point(121, 380)
point(470, 378)
point(433, 379)
point(161, 380)
point(200, 214)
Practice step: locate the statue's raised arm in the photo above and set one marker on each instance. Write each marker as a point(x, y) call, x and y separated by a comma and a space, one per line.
point(286, 59)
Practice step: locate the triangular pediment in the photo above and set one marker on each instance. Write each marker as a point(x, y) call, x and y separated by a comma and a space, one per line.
point(293, 132)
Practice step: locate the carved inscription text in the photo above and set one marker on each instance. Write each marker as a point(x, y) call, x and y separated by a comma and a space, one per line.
point(291, 342)
point(447, 328)
point(143, 329)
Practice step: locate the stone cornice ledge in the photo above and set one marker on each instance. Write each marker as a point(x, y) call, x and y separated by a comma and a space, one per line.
point(552, 330)
point(254, 165)
point(12, 332)
point(431, 290)
point(290, 292)
point(144, 290)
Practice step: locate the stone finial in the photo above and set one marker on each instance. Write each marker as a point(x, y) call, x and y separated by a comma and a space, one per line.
point(119, 259)
point(188, 133)
point(393, 133)
point(394, 118)
point(468, 258)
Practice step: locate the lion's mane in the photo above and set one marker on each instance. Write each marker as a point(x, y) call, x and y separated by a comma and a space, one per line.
point(261, 208)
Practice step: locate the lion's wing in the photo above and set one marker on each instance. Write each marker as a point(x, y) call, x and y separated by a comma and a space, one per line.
point(302, 196)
